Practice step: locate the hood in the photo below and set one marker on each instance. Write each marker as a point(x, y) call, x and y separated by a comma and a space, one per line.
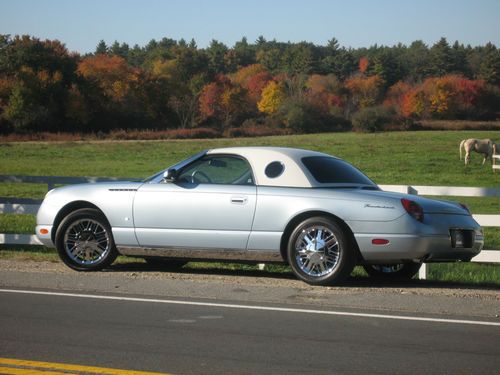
point(87, 188)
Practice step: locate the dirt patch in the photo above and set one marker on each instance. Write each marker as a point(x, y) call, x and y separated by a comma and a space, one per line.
point(240, 279)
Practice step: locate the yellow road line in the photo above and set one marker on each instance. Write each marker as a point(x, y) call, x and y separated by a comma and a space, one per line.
point(26, 371)
point(61, 367)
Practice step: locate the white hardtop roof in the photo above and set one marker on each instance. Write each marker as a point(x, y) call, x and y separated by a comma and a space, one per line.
point(294, 174)
point(266, 150)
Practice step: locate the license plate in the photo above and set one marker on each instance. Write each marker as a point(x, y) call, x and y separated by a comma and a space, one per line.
point(461, 239)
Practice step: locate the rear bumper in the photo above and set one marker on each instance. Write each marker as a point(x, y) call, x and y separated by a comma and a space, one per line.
point(404, 248)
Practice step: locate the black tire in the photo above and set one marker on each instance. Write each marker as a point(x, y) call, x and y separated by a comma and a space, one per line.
point(404, 271)
point(165, 263)
point(313, 265)
point(86, 233)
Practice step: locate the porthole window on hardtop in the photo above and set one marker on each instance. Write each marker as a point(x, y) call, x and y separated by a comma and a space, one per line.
point(274, 169)
point(327, 170)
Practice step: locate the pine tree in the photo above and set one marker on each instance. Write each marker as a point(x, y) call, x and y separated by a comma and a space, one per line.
point(101, 47)
point(489, 70)
point(441, 58)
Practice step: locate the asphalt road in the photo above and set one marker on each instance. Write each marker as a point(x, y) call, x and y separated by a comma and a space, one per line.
point(200, 339)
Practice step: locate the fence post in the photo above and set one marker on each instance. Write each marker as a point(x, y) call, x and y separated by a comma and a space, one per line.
point(494, 165)
point(422, 272)
point(411, 190)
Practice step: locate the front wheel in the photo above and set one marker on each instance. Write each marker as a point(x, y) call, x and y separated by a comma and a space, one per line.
point(319, 252)
point(85, 242)
point(403, 271)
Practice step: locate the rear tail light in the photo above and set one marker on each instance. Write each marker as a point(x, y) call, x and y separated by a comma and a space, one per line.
point(414, 209)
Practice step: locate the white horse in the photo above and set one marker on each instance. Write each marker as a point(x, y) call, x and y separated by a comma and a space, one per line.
point(481, 146)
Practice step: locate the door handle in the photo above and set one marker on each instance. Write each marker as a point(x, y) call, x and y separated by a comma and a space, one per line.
point(239, 200)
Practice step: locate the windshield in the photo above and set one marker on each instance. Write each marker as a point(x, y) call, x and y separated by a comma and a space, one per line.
point(328, 170)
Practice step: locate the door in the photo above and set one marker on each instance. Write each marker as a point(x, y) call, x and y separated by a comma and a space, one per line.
point(210, 205)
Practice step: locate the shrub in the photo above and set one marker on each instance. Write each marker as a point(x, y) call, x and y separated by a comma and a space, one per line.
point(301, 117)
point(337, 121)
point(371, 119)
point(195, 133)
point(254, 131)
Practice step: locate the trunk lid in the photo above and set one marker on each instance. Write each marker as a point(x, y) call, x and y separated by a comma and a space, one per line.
point(430, 206)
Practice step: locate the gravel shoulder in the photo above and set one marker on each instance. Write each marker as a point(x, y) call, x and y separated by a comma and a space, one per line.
point(139, 279)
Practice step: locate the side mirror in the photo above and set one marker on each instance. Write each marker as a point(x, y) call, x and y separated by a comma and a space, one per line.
point(170, 175)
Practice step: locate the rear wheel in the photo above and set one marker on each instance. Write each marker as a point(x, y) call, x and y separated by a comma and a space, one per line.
point(403, 271)
point(84, 241)
point(319, 252)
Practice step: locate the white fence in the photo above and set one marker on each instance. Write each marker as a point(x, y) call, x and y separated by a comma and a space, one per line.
point(30, 206)
point(495, 165)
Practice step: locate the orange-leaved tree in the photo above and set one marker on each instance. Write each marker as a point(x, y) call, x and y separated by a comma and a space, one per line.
point(364, 91)
point(223, 101)
point(363, 64)
point(449, 96)
point(396, 95)
point(111, 73)
point(324, 91)
point(252, 78)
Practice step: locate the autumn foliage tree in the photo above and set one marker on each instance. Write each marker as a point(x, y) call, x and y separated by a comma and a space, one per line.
point(111, 73)
point(363, 65)
point(273, 96)
point(395, 96)
point(301, 86)
point(449, 97)
point(181, 95)
point(325, 91)
point(222, 101)
point(35, 76)
point(364, 91)
point(253, 79)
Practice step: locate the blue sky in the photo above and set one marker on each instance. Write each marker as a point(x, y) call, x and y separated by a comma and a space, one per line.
point(80, 24)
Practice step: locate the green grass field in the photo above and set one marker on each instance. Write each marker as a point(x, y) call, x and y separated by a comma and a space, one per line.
point(402, 158)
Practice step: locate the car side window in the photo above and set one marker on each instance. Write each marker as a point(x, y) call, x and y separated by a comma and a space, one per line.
point(217, 170)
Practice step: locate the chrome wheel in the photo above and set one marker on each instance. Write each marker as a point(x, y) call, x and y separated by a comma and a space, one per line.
point(317, 251)
point(86, 242)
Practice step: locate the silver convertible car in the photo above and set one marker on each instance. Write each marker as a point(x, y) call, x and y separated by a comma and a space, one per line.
point(311, 210)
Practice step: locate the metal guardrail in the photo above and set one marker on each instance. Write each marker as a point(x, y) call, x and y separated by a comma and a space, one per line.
point(31, 206)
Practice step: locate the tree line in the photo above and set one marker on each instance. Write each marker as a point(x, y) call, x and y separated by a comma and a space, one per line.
point(249, 88)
